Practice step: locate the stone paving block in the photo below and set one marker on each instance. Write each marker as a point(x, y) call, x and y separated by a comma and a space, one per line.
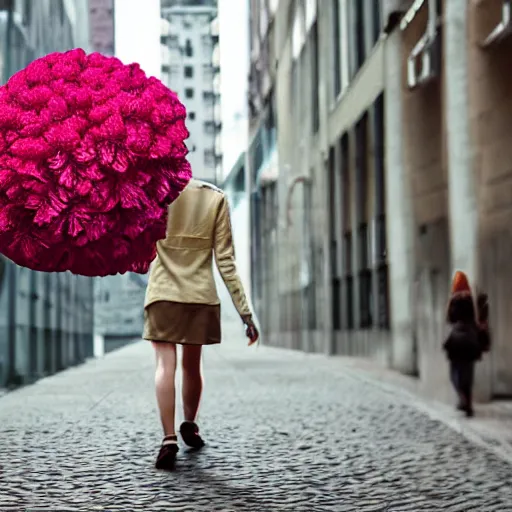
point(285, 431)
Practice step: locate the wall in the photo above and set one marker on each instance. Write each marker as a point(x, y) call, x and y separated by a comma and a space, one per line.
point(490, 87)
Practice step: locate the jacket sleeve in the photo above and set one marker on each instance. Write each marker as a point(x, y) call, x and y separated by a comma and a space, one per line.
point(225, 258)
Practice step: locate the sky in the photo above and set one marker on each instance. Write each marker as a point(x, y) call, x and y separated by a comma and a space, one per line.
point(137, 39)
point(137, 34)
point(234, 61)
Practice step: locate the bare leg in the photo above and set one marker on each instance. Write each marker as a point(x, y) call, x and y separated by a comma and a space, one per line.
point(165, 385)
point(192, 381)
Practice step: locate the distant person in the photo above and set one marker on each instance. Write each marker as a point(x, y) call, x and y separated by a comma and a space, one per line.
point(463, 345)
point(182, 306)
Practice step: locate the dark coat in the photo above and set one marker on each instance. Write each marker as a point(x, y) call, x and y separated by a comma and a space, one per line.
point(463, 343)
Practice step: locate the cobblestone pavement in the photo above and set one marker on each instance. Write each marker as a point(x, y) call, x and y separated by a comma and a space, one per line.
point(286, 431)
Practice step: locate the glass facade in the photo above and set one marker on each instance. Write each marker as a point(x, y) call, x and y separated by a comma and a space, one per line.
point(46, 320)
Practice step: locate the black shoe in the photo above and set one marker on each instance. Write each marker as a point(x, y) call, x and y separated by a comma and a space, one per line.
point(190, 433)
point(469, 412)
point(166, 459)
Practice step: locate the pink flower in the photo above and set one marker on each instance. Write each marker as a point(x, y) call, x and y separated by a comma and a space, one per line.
point(92, 153)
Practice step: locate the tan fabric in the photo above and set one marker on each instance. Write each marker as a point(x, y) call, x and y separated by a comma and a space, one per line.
point(199, 226)
point(186, 324)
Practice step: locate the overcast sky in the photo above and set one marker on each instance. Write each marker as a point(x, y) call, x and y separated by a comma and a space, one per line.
point(137, 33)
point(138, 40)
point(234, 58)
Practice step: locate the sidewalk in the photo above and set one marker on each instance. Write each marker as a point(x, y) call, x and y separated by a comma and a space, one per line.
point(285, 431)
point(491, 427)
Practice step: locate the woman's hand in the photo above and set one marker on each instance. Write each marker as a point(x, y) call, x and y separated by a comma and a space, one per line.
point(250, 329)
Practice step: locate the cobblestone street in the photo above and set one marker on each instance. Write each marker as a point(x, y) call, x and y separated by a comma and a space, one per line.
point(285, 431)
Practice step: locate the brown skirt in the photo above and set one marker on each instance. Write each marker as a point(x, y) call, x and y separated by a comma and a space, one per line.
point(185, 324)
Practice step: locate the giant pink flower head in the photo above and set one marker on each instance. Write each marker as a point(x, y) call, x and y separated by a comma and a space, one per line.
point(92, 153)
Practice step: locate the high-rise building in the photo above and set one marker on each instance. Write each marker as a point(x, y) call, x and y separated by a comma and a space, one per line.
point(191, 69)
point(46, 319)
point(102, 26)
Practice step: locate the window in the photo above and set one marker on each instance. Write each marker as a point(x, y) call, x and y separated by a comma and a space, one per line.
point(315, 76)
point(333, 207)
point(365, 299)
point(337, 46)
point(362, 168)
point(189, 93)
point(208, 95)
point(382, 291)
point(346, 222)
point(295, 86)
point(189, 71)
point(364, 262)
point(209, 128)
point(192, 116)
point(189, 51)
point(358, 34)
point(209, 158)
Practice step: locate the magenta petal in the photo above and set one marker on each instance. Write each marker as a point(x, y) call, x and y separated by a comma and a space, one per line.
point(68, 178)
point(45, 214)
point(91, 154)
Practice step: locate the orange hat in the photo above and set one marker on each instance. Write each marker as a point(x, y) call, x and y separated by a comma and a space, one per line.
point(460, 283)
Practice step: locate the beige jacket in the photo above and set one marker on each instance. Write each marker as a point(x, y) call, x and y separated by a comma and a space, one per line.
point(198, 227)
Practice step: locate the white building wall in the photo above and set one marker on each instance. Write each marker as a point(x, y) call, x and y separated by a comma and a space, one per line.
point(191, 48)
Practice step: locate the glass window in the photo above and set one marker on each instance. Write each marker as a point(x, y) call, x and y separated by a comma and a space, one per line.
point(337, 46)
point(357, 30)
point(377, 13)
point(189, 71)
point(209, 158)
point(189, 93)
point(315, 77)
point(192, 116)
point(189, 51)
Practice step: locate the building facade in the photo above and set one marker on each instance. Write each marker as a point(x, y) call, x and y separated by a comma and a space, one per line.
point(393, 171)
point(46, 320)
point(192, 70)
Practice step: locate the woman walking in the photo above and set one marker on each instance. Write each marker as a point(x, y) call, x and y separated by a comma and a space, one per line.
point(182, 306)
